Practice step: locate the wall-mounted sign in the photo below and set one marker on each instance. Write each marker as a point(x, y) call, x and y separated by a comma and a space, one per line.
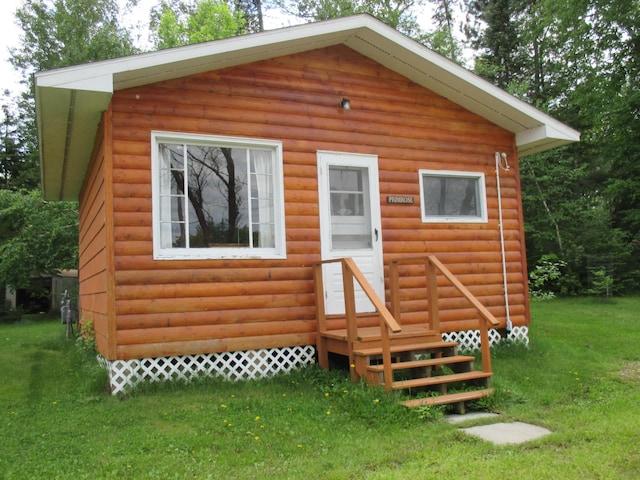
point(406, 200)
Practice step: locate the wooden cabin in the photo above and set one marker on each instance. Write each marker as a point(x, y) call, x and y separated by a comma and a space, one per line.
point(213, 179)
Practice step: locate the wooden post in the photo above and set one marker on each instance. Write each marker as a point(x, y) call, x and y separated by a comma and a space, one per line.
point(394, 290)
point(485, 348)
point(350, 313)
point(386, 355)
point(321, 341)
point(432, 295)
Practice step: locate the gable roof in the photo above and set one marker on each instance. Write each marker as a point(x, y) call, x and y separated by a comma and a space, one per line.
point(70, 101)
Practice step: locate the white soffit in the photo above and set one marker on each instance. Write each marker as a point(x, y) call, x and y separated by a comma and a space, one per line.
point(64, 156)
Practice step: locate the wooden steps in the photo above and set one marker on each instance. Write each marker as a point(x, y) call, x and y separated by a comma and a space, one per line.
point(421, 362)
point(448, 398)
point(408, 357)
point(440, 380)
point(428, 362)
point(410, 347)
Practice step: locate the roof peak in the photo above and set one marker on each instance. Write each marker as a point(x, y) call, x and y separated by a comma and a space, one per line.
point(86, 89)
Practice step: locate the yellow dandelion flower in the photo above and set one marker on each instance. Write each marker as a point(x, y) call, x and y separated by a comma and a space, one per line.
point(223, 405)
point(299, 446)
point(328, 412)
point(256, 438)
point(376, 401)
point(257, 419)
point(326, 394)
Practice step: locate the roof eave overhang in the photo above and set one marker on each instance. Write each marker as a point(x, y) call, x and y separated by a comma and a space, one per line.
point(545, 137)
point(67, 123)
point(70, 101)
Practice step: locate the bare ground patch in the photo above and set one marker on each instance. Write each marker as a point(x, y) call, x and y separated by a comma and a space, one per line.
point(630, 371)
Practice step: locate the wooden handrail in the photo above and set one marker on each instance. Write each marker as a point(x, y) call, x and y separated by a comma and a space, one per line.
point(373, 297)
point(388, 323)
point(371, 294)
point(431, 265)
point(482, 310)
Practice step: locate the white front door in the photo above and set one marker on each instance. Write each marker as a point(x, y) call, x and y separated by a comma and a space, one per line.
point(350, 224)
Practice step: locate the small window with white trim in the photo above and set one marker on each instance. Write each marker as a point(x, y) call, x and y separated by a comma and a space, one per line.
point(217, 197)
point(449, 196)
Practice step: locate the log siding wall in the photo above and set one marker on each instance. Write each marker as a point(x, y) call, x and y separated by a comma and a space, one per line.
point(192, 306)
point(93, 248)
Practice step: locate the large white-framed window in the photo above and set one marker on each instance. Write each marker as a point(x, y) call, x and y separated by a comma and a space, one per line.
point(216, 197)
point(451, 196)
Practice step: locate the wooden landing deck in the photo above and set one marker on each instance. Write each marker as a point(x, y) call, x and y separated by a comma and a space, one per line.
point(369, 334)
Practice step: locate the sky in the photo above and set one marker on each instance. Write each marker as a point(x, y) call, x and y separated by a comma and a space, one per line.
point(10, 33)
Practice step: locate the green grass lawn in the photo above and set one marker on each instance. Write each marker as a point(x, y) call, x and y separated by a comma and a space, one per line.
point(580, 378)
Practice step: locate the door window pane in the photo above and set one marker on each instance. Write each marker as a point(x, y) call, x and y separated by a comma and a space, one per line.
point(350, 210)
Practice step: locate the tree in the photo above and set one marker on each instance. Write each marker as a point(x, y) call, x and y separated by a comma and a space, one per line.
point(442, 39)
point(582, 66)
point(501, 57)
point(18, 168)
point(35, 237)
point(61, 33)
point(395, 13)
point(178, 23)
point(252, 14)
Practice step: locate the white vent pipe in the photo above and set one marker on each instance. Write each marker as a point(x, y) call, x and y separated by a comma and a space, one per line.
point(501, 163)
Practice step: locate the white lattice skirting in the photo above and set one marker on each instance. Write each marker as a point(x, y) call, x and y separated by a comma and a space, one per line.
point(251, 364)
point(470, 339)
point(244, 365)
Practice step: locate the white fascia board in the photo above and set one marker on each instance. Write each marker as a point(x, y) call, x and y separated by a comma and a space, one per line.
point(92, 77)
point(552, 131)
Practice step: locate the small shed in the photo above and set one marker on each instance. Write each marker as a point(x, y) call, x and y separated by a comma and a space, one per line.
point(44, 292)
point(212, 177)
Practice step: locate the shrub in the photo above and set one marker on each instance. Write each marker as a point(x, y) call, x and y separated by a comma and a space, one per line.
point(542, 280)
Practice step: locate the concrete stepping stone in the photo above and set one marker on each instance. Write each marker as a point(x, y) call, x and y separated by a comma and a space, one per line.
point(507, 433)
